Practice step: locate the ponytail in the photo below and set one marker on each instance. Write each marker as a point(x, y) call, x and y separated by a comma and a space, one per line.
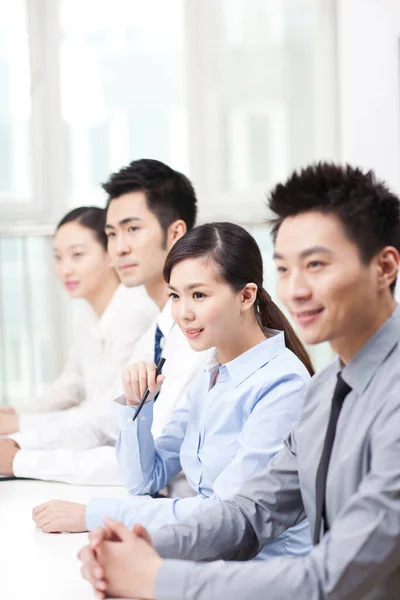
point(270, 315)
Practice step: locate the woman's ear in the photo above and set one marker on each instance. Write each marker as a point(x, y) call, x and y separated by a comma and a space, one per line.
point(175, 231)
point(248, 296)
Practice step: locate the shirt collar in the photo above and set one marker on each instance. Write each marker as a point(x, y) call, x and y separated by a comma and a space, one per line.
point(165, 320)
point(361, 369)
point(243, 366)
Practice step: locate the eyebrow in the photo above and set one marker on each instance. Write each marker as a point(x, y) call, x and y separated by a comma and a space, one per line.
point(55, 249)
point(122, 222)
point(307, 252)
point(189, 287)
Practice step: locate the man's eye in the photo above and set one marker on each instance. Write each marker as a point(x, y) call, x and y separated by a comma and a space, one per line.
point(133, 228)
point(110, 234)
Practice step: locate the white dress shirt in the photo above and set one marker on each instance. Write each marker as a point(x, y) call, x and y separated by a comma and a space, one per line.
point(93, 461)
point(75, 412)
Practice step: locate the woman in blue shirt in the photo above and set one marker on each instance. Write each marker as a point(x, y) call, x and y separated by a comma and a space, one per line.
point(237, 412)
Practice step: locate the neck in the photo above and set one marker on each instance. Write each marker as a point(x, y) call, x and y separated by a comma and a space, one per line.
point(347, 347)
point(157, 289)
point(101, 299)
point(250, 335)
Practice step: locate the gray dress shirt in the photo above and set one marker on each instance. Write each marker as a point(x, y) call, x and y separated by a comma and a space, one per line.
point(359, 558)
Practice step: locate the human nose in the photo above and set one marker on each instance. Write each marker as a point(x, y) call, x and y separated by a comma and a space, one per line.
point(122, 245)
point(294, 287)
point(66, 267)
point(185, 311)
point(299, 288)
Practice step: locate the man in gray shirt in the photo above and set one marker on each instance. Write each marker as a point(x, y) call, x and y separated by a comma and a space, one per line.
point(337, 242)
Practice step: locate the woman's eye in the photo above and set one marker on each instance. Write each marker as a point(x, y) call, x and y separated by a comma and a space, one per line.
point(198, 295)
point(281, 269)
point(174, 296)
point(77, 254)
point(57, 258)
point(315, 264)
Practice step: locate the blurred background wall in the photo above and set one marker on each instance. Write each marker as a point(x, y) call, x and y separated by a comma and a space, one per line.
point(234, 93)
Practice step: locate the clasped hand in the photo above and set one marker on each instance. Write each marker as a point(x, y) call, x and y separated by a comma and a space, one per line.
point(119, 562)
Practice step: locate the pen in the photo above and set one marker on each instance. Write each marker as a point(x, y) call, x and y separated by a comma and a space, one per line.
point(147, 391)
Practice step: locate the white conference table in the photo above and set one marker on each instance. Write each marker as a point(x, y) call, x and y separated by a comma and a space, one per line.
point(36, 565)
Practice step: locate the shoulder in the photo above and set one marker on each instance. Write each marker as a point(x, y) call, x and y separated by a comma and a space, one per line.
point(284, 367)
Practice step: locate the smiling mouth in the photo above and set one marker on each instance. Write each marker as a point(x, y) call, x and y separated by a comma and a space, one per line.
point(193, 333)
point(306, 316)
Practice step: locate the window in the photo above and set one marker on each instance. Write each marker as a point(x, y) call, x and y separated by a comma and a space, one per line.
point(15, 106)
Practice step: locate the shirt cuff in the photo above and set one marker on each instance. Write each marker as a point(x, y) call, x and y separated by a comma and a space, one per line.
point(125, 415)
point(25, 464)
point(98, 508)
point(171, 580)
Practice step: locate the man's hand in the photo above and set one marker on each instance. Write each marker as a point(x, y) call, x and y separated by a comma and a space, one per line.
point(138, 377)
point(120, 562)
point(9, 422)
point(8, 450)
point(58, 516)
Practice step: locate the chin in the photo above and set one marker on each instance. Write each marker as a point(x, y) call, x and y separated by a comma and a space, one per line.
point(130, 281)
point(312, 338)
point(199, 346)
point(76, 295)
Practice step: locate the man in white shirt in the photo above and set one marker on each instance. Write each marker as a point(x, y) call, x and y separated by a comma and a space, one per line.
point(150, 206)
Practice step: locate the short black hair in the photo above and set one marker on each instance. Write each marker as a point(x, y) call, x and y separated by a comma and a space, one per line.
point(368, 210)
point(91, 217)
point(169, 194)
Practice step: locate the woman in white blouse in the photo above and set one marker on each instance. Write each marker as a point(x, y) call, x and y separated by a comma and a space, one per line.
point(113, 318)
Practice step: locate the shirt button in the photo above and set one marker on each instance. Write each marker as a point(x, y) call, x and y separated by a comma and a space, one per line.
point(142, 418)
point(134, 454)
point(130, 419)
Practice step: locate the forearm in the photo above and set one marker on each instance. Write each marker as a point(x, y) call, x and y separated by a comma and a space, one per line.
point(146, 464)
point(97, 466)
point(152, 513)
point(222, 532)
point(279, 579)
point(78, 429)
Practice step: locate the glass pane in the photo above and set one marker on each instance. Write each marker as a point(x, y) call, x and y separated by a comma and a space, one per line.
point(30, 323)
point(121, 88)
point(15, 108)
point(266, 89)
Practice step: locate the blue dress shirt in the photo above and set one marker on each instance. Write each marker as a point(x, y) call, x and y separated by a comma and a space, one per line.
point(221, 434)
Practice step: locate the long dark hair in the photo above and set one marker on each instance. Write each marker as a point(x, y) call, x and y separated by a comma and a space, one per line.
point(239, 259)
point(91, 217)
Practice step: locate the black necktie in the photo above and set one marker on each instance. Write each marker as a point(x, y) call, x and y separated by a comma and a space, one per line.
point(340, 393)
point(157, 345)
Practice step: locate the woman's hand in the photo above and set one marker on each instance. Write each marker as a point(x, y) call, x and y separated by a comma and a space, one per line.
point(138, 377)
point(57, 516)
